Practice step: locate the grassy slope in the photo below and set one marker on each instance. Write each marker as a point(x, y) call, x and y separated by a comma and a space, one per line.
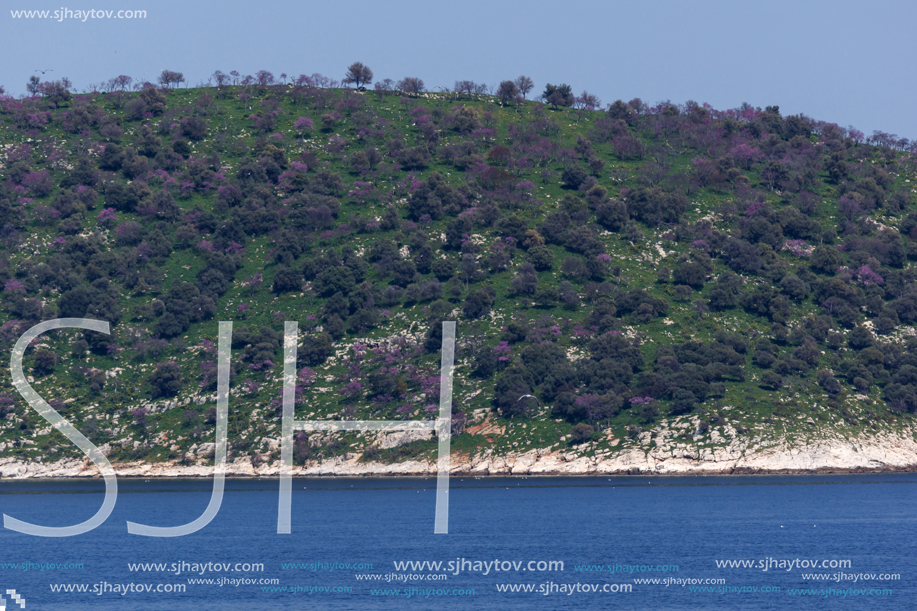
point(252, 419)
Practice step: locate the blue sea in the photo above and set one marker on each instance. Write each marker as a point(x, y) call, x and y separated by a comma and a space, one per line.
point(634, 542)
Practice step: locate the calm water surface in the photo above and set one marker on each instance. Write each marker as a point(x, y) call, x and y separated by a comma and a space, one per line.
point(673, 528)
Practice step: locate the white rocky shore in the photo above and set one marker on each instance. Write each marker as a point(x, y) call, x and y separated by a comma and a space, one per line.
point(885, 452)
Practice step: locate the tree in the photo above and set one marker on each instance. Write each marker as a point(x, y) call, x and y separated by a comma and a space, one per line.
point(194, 128)
point(55, 91)
point(304, 125)
point(75, 302)
point(581, 433)
point(383, 87)
point(80, 347)
point(414, 158)
point(771, 380)
point(795, 288)
point(443, 268)
point(558, 95)
point(411, 84)
point(315, 350)
point(478, 302)
point(860, 338)
point(166, 380)
point(469, 88)
point(122, 82)
point(573, 176)
point(774, 174)
point(45, 362)
point(901, 397)
point(404, 271)
point(507, 91)
point(827, 381)
point(373, 157)
point(334, 279)
point(525, 85)
point(363, 320)
point(358, 74)
point(683, 401)
point(587, 101)
point(541, 257)
point(836, 167)
point(526, 280)
point(825, 259)
point(264, 78)
point(171, 79)
point(612, 215)
point(33, 85)
point(182, 148)
point(510, 392)
point(112, 157)
point(619, 110)
point(691, 274)
point(286, 279)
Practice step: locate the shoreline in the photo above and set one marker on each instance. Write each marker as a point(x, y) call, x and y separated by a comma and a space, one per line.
point(883, 453)
point(331, 476)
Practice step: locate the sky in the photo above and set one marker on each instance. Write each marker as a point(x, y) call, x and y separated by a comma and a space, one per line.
point(840, 61)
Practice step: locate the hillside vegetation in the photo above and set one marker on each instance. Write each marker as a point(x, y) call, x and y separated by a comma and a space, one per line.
point(744, 269)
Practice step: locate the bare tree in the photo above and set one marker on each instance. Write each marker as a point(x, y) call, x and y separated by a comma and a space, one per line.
point(411, 84)
point(464, 87)
point(587, 101)
point(524, 84)
point(171, 79)
point(384, 87)
point(122, 82)
point(358, 74)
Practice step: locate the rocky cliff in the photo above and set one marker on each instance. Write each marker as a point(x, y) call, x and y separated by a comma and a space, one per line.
point(882, 452)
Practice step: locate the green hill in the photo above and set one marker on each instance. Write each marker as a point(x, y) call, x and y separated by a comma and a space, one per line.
point(625, 267)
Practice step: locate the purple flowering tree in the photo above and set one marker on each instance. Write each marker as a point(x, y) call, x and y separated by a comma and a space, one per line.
point(14, 287)
point(746, 156)
point(503, 352)
point(866, 276)
point(107, 217)
point(352, 390)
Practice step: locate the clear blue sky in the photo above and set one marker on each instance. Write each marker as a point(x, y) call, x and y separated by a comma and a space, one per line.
point(840, 61)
